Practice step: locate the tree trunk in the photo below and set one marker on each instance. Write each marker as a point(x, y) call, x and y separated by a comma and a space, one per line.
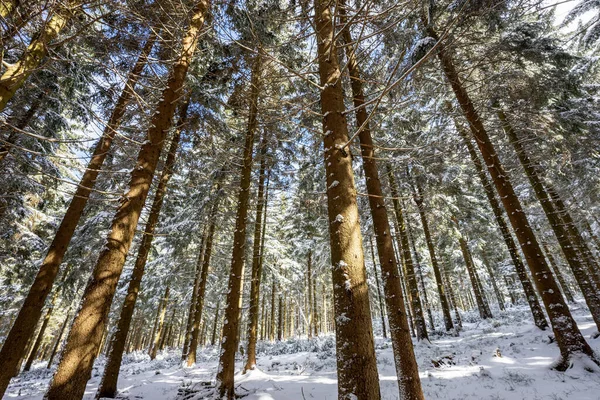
point(379, 297)
point(566, 332)
point(452, 297)
point(356, 363)
point(421, 280)
point(272, 323)
point(58, 339)
point(40, 337)
point(559, 275)
point(31, 310)
point(534, 305)
point(213, 336)
point(75, 367)
point(191, 356)
point(575, 235)
point(15, 75)
point(309, 291)
point(418, 199)
point(574, 259)
point(419, 318)
point(490, 272)
point(473, 276)
point(108, 386)
point(161, 322)
point(234, 288)
point(257, 258)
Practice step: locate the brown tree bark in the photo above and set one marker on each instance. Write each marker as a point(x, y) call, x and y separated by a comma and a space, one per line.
point(567, 334)
point(161, 323)
point(451, 296)
point(213, 336)
point(575, 259)
point(356, 363)
point(272, 320)
point(206, 258)
point(58, 339)
point(559, 276)
point(480, 300)
point(532, 300)
point(418, 199)
point(108, 386)
point(490, 271)
point(191, 315)
point(31, 310)
point(15, 75)
point(75, 367)
point(406, 366)
point(379, 296)
point(257, 258)
point(411, 278)
point(234, 293)
point(309, 293)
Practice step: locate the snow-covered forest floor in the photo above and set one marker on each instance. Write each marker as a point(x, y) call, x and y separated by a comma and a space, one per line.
point(306, 369)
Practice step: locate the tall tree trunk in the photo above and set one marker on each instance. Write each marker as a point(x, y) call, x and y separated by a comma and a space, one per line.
point(418, 199)
point(15, 75)
point(573, 257)
point(161, 323)
point(309, 291)
point(473, 276)
point(58, 339)
point(407, 371)
point(108, 386)
point(199, 308)
point(257, 258)
point(379, 297)
point(402, 274)
point(567, 334)
point(421, 280)
point(40, 336)
point(234, 288)
point(356, 363)
point(452, 297)
point(411, 278)
point(575, 235)
point(532, 300)
point(272, 323)
point(31, 310)
point(492, 275)
point(213, 336)
point(191, 315)
point(75, 367)
point(314, 306)
point(559, 275)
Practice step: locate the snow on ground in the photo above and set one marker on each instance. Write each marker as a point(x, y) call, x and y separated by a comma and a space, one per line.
point(303, 369)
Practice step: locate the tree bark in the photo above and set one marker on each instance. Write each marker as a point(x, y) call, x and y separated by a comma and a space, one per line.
point(108, 386)
point(161, 323)
point(31, 309)
point(379, 297)
point(532, 300)
point(419, 318)
point(257, 258)
point(473, 276)
point(74, 370)
point(559, 275)
point(418, 199)
point(15, 75)
point(567, 334)
point(6, 145)
point(356, 363)
point(492, 275)
point(574, 258)
point(309, 291)
point(199, 308)
point(58, 339)
point(213, 336)
point(234, 288)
